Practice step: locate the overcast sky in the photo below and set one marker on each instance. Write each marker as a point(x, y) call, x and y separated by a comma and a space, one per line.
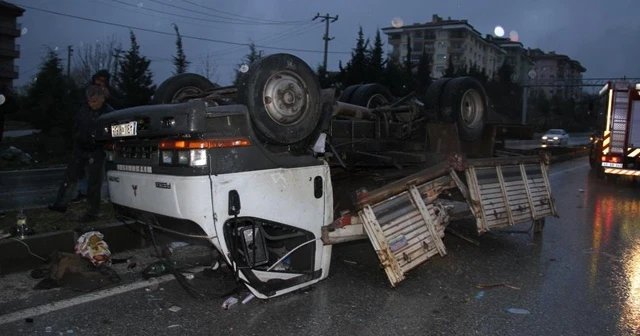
point(602, 35)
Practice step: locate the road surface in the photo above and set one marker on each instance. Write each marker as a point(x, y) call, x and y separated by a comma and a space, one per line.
point(582, 277)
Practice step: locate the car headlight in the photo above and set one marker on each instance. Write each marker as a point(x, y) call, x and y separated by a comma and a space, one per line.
point(544, 137)
point(555, 138)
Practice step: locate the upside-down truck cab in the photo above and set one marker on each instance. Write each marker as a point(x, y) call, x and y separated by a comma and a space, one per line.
point(255, 206)
point(243, 168)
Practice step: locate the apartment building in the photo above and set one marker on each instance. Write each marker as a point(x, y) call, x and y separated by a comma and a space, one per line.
point(444, 38)
point(10, 30)
point(517, 57)
point(556, 74)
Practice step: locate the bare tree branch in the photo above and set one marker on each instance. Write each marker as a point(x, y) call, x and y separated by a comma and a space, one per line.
point(209, 67)
point(91, 57)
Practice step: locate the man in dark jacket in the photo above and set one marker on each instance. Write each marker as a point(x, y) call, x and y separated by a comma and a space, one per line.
point(87, 154)
point(101, 78)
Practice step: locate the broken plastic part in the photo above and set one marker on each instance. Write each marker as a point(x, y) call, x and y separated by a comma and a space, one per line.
point(229, 302)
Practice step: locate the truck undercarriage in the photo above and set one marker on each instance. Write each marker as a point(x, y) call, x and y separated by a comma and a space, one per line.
point(248, 169)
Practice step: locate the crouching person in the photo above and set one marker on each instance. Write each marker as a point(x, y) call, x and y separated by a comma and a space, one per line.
point(86, 154)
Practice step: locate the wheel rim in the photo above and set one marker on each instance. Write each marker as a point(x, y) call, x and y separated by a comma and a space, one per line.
point(377, 100)
point(285, 97)
point(185, 92)
point(472, 108)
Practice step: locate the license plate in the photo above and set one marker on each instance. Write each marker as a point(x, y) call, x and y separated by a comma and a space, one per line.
point(612, 165)
point(124, 130)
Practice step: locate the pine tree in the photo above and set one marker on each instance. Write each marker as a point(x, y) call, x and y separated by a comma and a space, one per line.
point(423, 73)
point(451, 69)
point(376, 60)
point(253, 56)
point(180, 60)
point(356, 68)
point(134, 79)
point(52, 99)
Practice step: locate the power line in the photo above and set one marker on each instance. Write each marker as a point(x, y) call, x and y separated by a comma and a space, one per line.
point(240, 16)
point(172, 34)
point(214, 15)
point(188, 17)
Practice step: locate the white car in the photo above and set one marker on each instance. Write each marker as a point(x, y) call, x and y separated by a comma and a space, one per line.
point(555, 137)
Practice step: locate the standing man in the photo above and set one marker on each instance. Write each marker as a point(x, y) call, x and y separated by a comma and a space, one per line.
point(87, 154)
point(101, 78)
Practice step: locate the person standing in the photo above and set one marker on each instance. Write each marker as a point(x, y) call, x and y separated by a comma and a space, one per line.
point(101, 78)
point(87, 154)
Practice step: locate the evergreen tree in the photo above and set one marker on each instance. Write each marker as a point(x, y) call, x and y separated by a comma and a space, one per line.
point(253, 56)
point(423, 74)
point(134, 79)
point(393, 76)
point(52, 99)
point(375, 65)
point(180, 59)
point(451, 69)
point(356, 68)
point(409, 78)
point(462, 70)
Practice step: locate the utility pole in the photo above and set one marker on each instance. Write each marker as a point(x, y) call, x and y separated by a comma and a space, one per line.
point(69, 54)
point(326, 38)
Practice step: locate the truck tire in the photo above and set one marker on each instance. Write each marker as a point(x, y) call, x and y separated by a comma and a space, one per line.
point(346, 95)
point(181, 85)
point(283, 96)
point(432, 99)
point(465, 101)
point(371, 95)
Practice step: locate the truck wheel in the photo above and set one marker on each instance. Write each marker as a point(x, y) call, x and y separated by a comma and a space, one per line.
point(371, 95)
point(346, 95)
point(283, 96)
point(465, 100)
point(432, 99)
point(177, 87)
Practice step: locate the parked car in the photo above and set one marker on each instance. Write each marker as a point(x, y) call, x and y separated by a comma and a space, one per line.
point(555, 137)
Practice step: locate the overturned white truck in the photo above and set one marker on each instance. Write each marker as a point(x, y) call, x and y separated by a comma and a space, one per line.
point(245, 168)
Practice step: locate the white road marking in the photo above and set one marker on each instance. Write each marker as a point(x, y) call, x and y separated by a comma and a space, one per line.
point(569, 169)
point(63, 304)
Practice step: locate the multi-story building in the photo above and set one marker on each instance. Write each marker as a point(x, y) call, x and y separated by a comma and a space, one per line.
point(442, 39)
point(9, 51)
point(517, 57)
point(556, 74)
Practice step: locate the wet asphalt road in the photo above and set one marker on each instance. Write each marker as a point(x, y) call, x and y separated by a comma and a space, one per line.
point(582, 277)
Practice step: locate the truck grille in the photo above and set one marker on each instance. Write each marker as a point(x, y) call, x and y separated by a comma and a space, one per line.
point(137, 151)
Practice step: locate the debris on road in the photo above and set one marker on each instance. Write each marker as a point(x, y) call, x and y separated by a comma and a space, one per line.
point(518, 311)
point(175, 309)
point(502, 284)
point(229, 302)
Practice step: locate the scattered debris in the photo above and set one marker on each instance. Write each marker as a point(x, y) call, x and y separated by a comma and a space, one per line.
point(581, 190)
point(153, 285)
point(174, 326)
point(479, 295)
point(188, 276)
point(175, 309)
point(502, 284)
point(29, 320)
point(350, 262)
point(92, 246)
point(248, 298)
point(48, 329)
point(229, 302)
point(15, 154)
point(518, 311)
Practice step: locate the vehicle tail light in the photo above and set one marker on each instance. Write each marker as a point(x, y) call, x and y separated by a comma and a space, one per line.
point(194, 152)
point(612, 159)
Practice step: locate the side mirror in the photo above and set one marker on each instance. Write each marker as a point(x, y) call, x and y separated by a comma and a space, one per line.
point(234, 203)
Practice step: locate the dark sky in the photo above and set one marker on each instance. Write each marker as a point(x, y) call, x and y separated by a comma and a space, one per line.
point(602, 35)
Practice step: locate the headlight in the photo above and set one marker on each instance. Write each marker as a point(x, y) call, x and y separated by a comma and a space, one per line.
point(544, 137)
point(555, 138)
point(194, 157)
point(167, 157)
point(183, 157)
